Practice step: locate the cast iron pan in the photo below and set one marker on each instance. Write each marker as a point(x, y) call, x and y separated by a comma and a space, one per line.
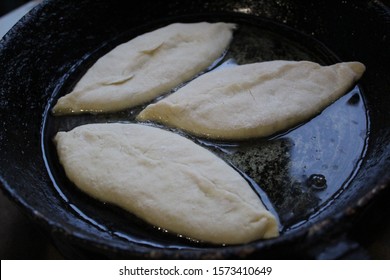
point(316, 177)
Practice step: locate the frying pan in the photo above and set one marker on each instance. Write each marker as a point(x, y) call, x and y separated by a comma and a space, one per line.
point(42, 57)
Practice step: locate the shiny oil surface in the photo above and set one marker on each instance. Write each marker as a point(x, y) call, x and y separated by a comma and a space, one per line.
point(297, 173)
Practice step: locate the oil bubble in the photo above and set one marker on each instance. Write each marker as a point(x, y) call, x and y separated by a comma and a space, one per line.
point(316, 182)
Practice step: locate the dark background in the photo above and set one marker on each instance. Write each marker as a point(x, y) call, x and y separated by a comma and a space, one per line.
point(9, 5)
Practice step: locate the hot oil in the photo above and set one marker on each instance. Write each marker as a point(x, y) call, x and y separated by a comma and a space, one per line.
point(295, 173)
point(303, 169)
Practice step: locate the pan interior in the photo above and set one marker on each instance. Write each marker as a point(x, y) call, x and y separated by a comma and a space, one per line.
point(296, 173)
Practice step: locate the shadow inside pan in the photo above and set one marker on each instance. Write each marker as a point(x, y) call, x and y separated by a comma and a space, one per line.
point(297, 173)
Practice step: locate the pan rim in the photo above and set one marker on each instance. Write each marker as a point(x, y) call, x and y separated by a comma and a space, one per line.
point(54, 227)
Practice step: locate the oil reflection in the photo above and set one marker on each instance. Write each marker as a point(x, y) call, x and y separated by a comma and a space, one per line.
point(268, 163)
point(305, 169)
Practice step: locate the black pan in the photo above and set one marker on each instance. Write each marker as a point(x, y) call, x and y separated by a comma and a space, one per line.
point(348, 144)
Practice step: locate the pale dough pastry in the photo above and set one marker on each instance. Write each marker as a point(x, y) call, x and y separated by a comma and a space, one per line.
point(165, 179)
point(146, 67)
point(253, 100)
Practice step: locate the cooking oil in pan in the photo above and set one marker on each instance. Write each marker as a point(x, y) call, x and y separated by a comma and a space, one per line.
point(295, 173)
point(305, 168)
